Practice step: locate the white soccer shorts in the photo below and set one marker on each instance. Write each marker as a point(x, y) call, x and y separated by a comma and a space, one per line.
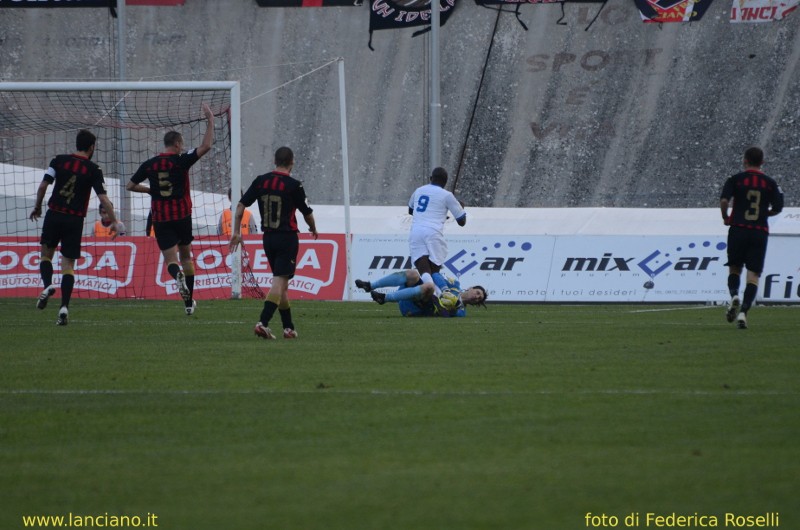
point(429, 243)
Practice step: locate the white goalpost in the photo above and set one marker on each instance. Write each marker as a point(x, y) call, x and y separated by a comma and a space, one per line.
point(39, 120)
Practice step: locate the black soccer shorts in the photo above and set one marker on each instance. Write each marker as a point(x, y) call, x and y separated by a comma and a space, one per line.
point(747, 248)
point(281, 249)
point(63, 228)
point(171, 233)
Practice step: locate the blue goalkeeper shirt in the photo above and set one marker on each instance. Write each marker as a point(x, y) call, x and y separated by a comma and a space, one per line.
point(431, 307)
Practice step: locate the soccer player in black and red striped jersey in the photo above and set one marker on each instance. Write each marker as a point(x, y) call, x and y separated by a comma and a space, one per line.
point(74, 176)
point(755, 197)
point(279, 196)
point(171, 205)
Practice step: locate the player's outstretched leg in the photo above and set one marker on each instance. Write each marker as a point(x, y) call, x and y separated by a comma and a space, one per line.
point(44, 296)
point(378, 297)
point(361, 284)
point(733, 309)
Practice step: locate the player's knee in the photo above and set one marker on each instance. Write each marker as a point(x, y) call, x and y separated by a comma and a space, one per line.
point(426, 289)
point(273, 297)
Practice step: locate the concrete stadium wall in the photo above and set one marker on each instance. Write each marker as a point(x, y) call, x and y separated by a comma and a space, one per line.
point(624, 114)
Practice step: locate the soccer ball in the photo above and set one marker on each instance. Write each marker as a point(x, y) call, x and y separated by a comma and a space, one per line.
point(449, 300)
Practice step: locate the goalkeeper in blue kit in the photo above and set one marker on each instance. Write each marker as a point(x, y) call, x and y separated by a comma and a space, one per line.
point(416, 298)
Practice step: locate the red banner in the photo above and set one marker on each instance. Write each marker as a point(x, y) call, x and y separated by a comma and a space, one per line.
point(133, 267)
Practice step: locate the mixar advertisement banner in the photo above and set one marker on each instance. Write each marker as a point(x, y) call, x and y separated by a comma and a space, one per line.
point(590, 268)
point(526, 268)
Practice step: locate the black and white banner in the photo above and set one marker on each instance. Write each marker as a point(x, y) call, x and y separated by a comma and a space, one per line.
point(394, 14)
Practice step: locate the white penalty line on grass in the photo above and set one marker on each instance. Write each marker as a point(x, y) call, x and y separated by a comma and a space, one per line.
point(682, 308)
point(379, 392)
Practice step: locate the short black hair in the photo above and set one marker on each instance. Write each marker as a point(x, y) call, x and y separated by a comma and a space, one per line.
point(84, 140)
point(283, 156)
point(754, 156)
point(171, 138)
point(439, 176)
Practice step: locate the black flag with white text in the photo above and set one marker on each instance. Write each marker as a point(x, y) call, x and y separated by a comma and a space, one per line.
point(393, 14)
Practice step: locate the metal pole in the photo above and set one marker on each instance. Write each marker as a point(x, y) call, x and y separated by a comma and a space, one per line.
point(121, 40)
point(124, 209)
point(435, 105)
point(345, 179)
point(236, 185)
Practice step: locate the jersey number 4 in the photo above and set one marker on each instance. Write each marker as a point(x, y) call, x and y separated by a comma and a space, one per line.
point(68, 190)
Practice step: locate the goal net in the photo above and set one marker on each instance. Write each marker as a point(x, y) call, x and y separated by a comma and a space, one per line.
point(40, 120)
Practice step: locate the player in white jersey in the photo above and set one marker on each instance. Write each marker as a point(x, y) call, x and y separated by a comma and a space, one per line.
point(428, 207)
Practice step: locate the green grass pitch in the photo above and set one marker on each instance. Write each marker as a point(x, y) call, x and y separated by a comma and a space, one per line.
point(516, 417)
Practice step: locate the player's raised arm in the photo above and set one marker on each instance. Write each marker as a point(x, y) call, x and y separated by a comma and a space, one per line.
point(208, 137)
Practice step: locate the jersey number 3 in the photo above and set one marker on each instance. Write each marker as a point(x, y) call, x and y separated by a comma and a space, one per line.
point(752, 213)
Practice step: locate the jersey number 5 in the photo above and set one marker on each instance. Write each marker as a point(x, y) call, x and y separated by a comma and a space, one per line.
point(164, 185)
